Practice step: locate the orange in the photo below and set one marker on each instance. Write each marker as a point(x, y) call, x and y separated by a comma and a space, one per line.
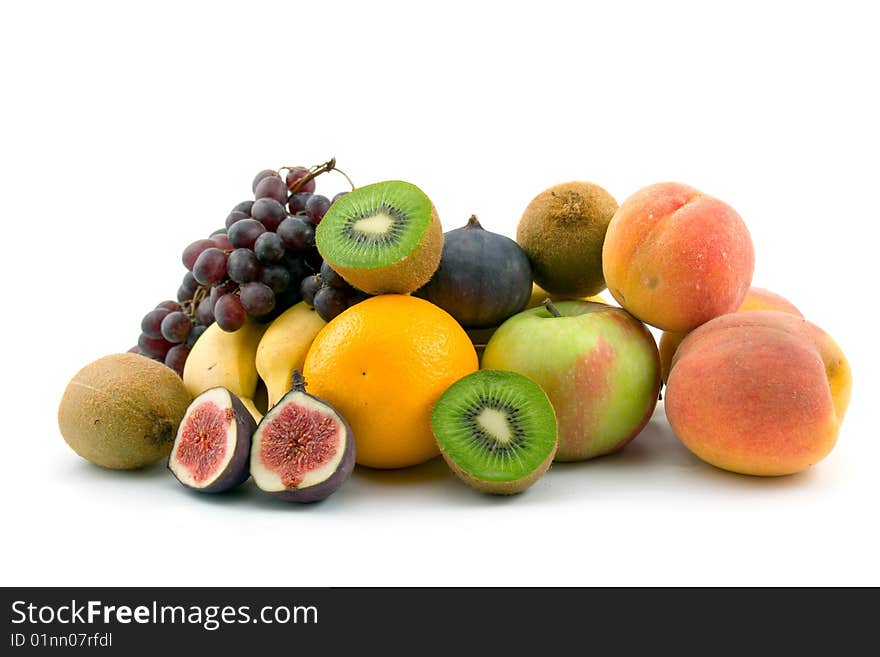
point(382, 364)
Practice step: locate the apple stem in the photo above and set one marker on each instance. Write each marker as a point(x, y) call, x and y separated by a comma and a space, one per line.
point(298, 382)
point(553, 310)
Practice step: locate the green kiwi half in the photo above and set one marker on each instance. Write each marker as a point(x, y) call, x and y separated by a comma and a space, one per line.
point(383, 238)
point(496, 430)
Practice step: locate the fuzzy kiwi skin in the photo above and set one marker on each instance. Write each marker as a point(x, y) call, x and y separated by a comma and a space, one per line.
point(237, 471)
point(562, 231)
point(122, 411)
point(500, 487)
point(404, 276)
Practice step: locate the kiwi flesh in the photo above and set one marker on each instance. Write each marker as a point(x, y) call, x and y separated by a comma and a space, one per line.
point(496, 430)
point(562, 231)
point(383, 238)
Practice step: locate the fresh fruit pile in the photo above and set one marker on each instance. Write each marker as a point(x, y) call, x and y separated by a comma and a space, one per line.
point(312, 334)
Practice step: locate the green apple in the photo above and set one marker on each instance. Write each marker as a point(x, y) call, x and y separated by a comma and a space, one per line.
point(598, 364)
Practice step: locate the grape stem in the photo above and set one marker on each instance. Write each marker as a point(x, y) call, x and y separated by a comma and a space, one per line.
point(191, 307)
point(314, 172)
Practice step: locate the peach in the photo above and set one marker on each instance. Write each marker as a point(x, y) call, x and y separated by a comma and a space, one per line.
point(761, 392)
point(676, 258)
point(756, 299)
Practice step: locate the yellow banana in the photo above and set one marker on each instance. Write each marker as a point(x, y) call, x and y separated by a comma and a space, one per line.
point(284, 346)
point(539, 294)
point(225, 359)
point(252, 407)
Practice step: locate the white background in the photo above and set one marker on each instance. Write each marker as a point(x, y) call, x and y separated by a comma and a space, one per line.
point(129, 130)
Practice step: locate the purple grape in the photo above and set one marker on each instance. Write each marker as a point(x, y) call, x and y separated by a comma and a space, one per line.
point(309, 287)
point(265, 173)
point(296, 234)
point(134, 350)
point(257, 299)
point(189, 281)
point(316, 207)
point(193, 251)
point(210, 266)
point(271, 187)
point(313, 258)
point(337, 197)
point(329, 302)
point(269, 212)
point(217, 291)
point(296, 267)
point(188, 286)
point(243, 266)
point(296, 174)
point(151, 324)
point(244, 206)
point(296, 203)
point(219, 231)
point(229, 313)
point(155, 348)
point(176, 327)
point(244, 233)
point(291, 296)
point(205, 312)
point(222, 242)
point(331, 278)
point(234, 217)
point(169, 305)
point(269, 248)
point(276, 277)
point(176, 358)
point(183, 294)
point(195, 334)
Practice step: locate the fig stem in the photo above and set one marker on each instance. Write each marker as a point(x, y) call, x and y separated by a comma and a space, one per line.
point(298, 381)
point(553, 310)
point(473, 222)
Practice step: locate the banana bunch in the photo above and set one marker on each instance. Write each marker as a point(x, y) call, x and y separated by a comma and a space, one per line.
point(255, 362)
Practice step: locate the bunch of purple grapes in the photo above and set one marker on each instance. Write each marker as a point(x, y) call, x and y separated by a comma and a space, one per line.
point(256, 266)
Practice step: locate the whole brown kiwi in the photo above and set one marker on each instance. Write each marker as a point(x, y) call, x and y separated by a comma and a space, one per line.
point(122, 411)
point(562, 231)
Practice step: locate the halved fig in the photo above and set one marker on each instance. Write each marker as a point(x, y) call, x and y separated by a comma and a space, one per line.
point(303, 449)
point(213, 444)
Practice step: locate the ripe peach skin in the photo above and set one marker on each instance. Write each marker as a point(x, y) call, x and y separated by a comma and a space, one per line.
point(761, 392)
point(756, 299)
point(676, 258)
